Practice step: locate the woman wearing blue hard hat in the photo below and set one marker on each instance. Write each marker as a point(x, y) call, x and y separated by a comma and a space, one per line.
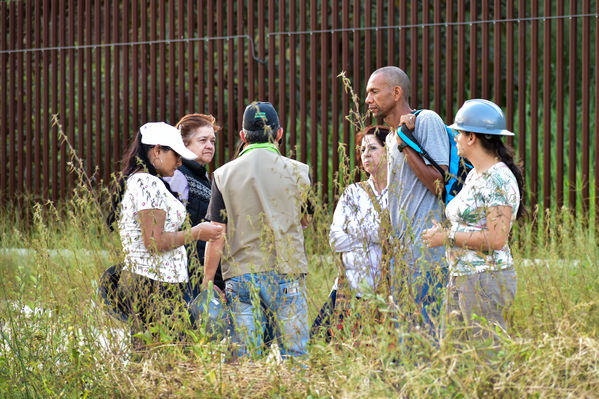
point(482, 275)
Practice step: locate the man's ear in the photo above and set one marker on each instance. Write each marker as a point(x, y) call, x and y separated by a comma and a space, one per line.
point(242, 136)
point(397, 92)
point(279, 134)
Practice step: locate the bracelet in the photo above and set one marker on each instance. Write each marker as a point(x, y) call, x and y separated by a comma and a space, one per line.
point(402, 147)
point(451, 236)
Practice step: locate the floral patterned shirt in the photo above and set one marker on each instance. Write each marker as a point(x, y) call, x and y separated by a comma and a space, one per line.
point(145, 191)
point(467, 212)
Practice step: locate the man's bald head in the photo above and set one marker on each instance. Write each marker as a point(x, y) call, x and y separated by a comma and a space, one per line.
point(394, 76)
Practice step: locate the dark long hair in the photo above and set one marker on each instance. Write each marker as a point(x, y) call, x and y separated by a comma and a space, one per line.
point(135, 159)
point(495, 145)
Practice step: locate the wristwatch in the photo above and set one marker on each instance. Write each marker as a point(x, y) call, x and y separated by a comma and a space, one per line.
point(402, 146)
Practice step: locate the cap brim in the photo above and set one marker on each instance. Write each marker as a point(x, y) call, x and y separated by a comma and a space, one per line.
point(184, 152)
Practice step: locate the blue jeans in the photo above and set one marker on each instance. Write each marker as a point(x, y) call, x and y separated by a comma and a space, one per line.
point(254, 296)
point(427, 292)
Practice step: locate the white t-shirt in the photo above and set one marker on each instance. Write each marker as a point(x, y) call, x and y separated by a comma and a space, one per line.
point(468, 212)
point(355, 233)
point(144, 191)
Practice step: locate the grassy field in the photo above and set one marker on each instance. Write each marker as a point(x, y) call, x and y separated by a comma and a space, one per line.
point(56, 340)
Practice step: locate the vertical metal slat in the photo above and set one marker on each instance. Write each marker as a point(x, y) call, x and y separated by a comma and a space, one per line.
point(106, 125)
point(449, 62)
point(282, 89)
point(220, 21)
point(231, 106)
point(484, 57)
point(324, 95)
point(313, 92)
point(534, 104)
point(573, 114)
point(116, 72)
point(586, 77)
point(547, 106)
point(4, 113)
point(522, 83)
point(292, 81)
point(303, 83)
point(335, 95)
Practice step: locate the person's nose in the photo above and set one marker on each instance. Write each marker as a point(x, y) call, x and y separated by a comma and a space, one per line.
point(368, 99)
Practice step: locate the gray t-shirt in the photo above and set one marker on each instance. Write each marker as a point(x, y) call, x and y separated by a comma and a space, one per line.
point(411, 205)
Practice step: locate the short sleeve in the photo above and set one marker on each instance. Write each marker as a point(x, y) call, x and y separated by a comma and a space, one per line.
point(146, 192)
point(500, 190)
point(216, 207)
point(432, 135)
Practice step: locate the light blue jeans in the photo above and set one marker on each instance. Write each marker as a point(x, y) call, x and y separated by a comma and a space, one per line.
point(283, 297)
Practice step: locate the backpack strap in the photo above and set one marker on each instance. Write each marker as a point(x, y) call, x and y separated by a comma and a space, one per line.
point(408, 137)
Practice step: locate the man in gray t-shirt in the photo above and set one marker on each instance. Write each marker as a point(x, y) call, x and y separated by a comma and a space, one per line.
point(415, 186)
point(412, 205)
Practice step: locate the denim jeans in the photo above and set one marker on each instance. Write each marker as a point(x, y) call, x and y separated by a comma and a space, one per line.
point(425, 289)
point(254, 297)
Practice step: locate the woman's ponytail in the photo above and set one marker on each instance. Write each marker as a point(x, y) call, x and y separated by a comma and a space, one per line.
point(493, 143)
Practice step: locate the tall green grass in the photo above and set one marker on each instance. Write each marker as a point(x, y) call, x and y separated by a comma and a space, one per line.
point(552, 349)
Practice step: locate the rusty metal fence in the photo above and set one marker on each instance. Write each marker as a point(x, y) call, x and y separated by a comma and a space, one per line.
point(106, 67)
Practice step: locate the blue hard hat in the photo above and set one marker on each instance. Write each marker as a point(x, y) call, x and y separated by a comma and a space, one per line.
point(481, 116)
point(209, 309)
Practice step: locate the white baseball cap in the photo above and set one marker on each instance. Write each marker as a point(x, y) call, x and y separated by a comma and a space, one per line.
point(161, 133)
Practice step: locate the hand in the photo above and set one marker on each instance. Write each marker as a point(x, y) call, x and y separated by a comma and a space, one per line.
point(409, 120)
point(435, 236)
point(207, 231)
point(206, 284)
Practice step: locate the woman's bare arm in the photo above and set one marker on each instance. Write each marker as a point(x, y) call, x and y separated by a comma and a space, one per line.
point(156, 239)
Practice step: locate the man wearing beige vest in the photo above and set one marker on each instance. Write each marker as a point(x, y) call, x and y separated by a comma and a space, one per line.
point(259, 199)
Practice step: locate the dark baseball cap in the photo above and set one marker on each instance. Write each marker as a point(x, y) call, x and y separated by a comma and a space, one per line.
point(260, 115)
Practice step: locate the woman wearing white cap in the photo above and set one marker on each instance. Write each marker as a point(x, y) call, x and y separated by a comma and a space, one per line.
point(482, 275)
point(150, 219)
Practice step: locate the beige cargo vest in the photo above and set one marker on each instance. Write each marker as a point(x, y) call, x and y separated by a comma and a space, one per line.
point(263, 194)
